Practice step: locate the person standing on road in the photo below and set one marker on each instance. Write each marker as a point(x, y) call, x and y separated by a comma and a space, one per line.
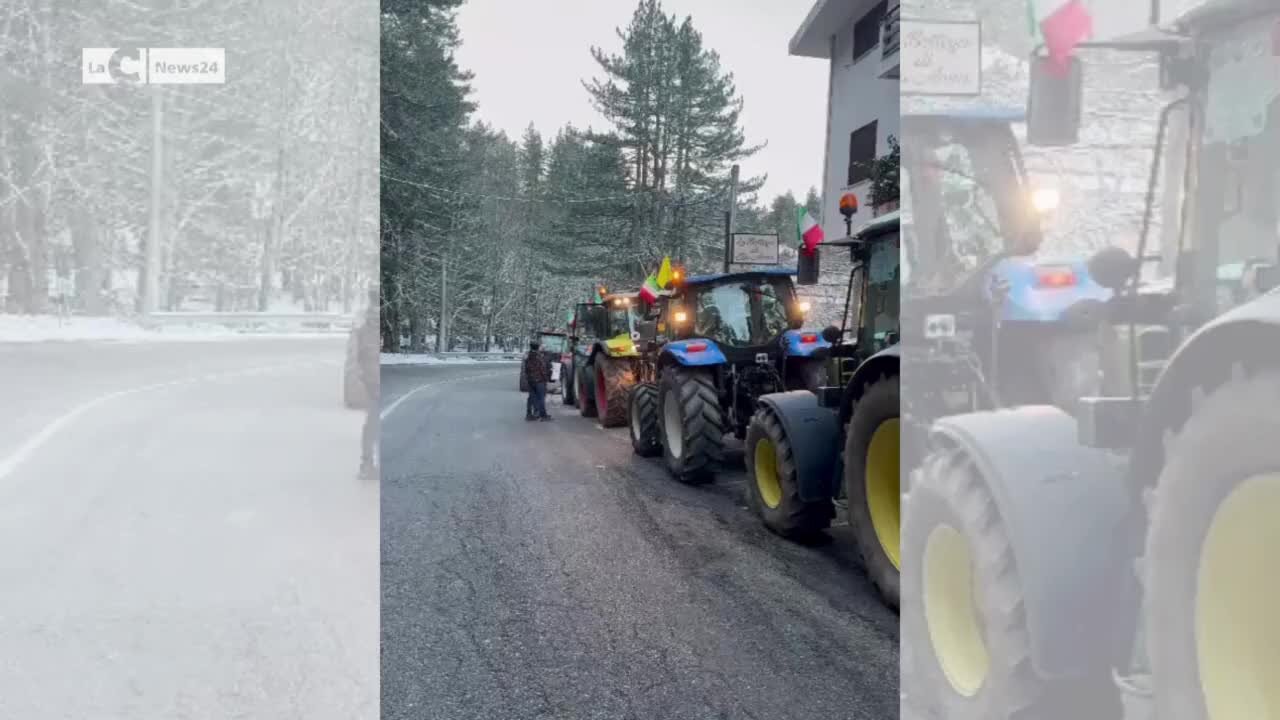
point(538, 375)
point(370, 346)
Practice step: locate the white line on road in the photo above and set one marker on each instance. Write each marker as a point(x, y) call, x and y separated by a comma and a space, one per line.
point(386, 412)
point(36, 441)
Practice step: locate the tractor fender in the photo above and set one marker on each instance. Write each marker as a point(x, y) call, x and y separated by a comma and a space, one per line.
point(1063, 506)
point(886, 363)
point(679, 353)
point(1247, 335)
point(814, 435)
point(793, 346)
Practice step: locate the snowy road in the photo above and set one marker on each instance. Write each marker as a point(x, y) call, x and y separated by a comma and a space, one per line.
point(182, 534)
point(536, 571)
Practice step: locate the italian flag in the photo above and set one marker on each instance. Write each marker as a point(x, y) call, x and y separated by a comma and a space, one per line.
point(1059, 25)
point(649, 291)
point(810, 231)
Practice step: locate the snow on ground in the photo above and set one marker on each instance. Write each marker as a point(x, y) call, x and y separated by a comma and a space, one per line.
point(411, 359)
point(52, 328)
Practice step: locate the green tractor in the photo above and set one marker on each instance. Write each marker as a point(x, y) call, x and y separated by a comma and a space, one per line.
point(1120, 561)
point(794, 475)
point(602, 367)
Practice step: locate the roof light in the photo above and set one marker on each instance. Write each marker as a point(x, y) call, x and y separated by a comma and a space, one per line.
point(804, 306)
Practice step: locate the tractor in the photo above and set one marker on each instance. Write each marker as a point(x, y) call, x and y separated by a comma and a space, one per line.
point(987, 325)
point(553, 343)
point(710, 347)
point(1118, 561)
point(604, 356)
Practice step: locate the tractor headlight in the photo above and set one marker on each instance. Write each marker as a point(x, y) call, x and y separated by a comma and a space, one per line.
point(1045, 200)
point(804, 306)
point(681, 316)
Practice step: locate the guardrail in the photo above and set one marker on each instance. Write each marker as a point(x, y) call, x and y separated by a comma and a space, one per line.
point(481, 355)
point(254, 321)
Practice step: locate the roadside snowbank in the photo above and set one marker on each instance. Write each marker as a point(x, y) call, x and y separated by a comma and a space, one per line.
point(52, 328)
point(409, 359)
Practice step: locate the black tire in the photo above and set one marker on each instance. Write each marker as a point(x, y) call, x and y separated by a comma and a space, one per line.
point(642, 404)
point(878, 405)
point(690, 395)
point(950, 493)
point(586, 397)
point(570, 384)
point(1224, 452)
point(774, 494)
point(614, 378)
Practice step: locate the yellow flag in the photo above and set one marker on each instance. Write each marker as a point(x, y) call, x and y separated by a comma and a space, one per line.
point(664, 273)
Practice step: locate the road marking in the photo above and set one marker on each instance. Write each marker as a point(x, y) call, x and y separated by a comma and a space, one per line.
point(386, 412)
point(36, 441)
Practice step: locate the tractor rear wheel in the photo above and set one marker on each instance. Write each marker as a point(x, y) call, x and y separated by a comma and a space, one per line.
point(586, 398)
point(692, 423)
point(1211, 624)
point(773, 490)
point(643, 405)
point(614, 378)
point(872, 483)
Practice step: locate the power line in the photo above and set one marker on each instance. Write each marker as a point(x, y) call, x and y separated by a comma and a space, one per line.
point(551, 201)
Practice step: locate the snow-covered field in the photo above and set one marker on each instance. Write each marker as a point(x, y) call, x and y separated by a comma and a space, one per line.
point(410, 359)
point(52, 328)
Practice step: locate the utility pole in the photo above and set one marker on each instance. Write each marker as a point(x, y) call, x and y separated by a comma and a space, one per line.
point(730, 216)
point(151, 269)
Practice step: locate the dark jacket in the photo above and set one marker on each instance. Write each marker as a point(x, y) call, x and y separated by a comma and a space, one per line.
point(536, 367)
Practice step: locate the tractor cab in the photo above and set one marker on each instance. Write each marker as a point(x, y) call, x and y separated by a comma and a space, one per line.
point(748, 316)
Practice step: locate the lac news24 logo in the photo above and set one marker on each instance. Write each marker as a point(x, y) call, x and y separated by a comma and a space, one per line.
point(154, 66)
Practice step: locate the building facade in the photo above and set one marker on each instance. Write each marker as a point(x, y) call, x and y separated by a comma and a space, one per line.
point(859, 41)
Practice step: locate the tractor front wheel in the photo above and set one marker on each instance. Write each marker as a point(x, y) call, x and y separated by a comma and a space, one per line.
point(872, 484)
point(773, 490)
point(643, 405)
point(586, 397)
point(692, 423)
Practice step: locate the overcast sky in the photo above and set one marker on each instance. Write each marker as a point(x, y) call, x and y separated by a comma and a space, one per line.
point(530, 57)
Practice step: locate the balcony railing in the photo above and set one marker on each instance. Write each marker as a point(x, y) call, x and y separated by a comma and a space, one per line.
point(890, 35)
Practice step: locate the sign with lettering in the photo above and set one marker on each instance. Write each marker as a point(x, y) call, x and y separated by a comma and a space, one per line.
point(941, 57)
point(754, 249)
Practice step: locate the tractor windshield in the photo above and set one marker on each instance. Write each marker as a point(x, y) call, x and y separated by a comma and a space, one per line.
point(1239, 164)
point(966, 186)
point(744, 313)
point(622, 320)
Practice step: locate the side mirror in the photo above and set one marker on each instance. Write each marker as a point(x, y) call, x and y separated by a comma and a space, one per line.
point(1055, 102)
point(1113, 268)
point(647, 330)
point(831, 334)
point(574, 339)
point(807, 268)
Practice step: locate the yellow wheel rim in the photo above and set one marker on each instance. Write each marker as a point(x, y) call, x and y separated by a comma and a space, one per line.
point(884, 499)
point(951, 612)
point(1237, 617)
point(766, 465)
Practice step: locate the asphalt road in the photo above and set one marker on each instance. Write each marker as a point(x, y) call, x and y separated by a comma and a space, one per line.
point(183, 535)
point(541, 570)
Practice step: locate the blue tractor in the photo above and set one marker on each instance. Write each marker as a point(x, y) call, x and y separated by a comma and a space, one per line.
point(974, 298)
point(709, 348)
